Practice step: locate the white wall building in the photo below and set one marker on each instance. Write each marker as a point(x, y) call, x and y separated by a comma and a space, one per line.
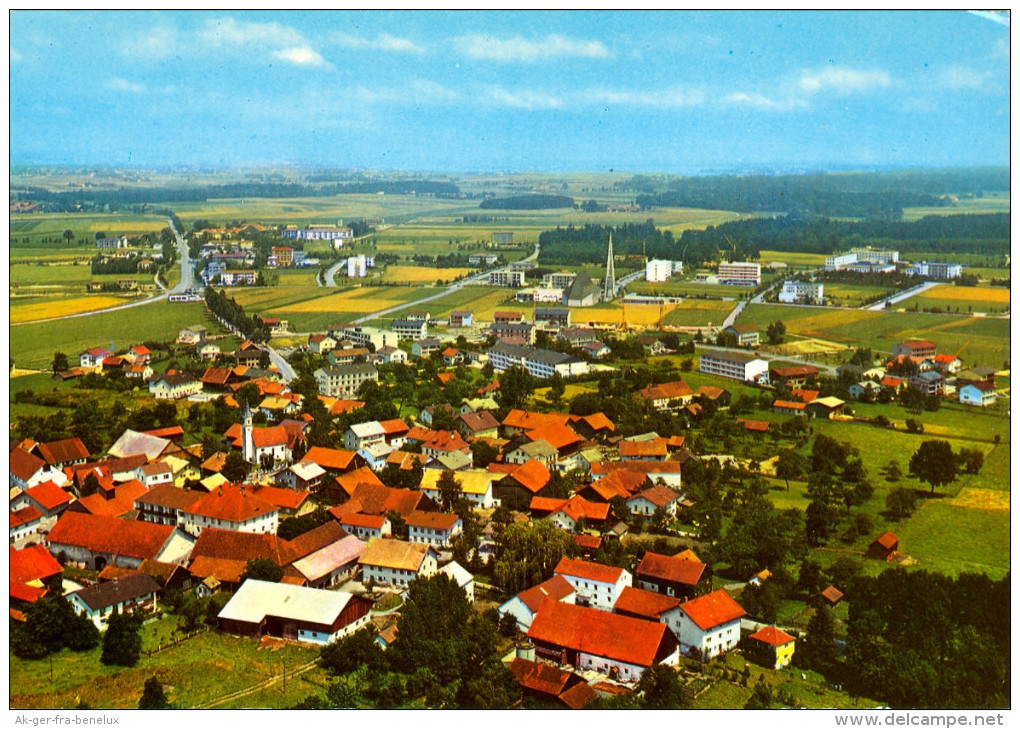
point(802, 291)
point(658, 270)
point(511, 279)
point(734, 365)
point(740, 273)
point(596, 585)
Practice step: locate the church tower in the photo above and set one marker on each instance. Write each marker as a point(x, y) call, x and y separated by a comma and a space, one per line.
point(247, 439)
point(609, 284)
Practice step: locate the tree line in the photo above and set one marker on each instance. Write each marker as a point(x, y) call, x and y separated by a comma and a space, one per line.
point(227, 308)
point(573, 245)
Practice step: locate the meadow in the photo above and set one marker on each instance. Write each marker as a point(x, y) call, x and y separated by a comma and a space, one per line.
point(963, 298)
point(992, 203)
point(422, 274)
point(42, 307)
point(852, 295)
point(696, 313)
point(33, 344)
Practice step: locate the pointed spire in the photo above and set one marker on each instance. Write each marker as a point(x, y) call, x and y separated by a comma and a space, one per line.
point(609, 284)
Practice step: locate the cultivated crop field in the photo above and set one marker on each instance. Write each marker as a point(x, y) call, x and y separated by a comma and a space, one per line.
point(694, 312)
point(32, 308)
point(793, 258)
point(422, 274)
point(33, 344)
point(852, 295)
point(994, 203)
point(991, 299)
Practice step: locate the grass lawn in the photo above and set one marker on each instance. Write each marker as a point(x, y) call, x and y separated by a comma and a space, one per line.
point(36, 308)
point(197, 671)
point(955, 539)
point(793, 258)
point(840, 294)
point(422, 274)
point(33, 345)
point(997, 203)
point(698, 312)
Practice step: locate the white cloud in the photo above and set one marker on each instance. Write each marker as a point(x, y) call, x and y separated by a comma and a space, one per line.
point(522, 99)
point(120, 84)
point(382, 42)
point(842, 80)
point(959, 77)
point(672, 98)
point(302, 56)
point(160, 42)
point(432, 91)
point(524, 50)
point(764, 103)
point(228, 31)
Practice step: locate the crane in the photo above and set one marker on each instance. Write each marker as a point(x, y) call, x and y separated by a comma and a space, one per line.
point(962, 347)
point(730, 242)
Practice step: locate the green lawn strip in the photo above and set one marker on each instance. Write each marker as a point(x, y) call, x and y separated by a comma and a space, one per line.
point(953, 539)
point(32, 345)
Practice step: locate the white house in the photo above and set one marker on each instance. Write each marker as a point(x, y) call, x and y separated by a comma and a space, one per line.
point(427, 527)
point(293, 612)
point(98, 602)
point(597, 585)
point(395, 562)
point(464, 579)
point(648, 501)
point(709, 624)
point(362, 435)
point(25, 522)
point(174, 387)
point(234, 509)
point(524, 605)
point(366, 526)
point(153, 474)
point(734, 365)
point(27, 470)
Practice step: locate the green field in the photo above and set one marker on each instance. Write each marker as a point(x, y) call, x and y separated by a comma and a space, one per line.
point(952, 539)
point(993, 203)
point(32, 345)
point(697, 313)
point(851, 295)
point(199, 670)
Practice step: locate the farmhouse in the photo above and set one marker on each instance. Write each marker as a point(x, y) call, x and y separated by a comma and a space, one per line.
point(293, 613)
point(524, 605)
point(234, 509)
point(597, 585)
point(439, 530)
point(709, 625)
point(593, 640)
point(675, 576)
point(174, 386)
point(132, 592)
point(771, 647)
point(397, 563)
point(97, 541)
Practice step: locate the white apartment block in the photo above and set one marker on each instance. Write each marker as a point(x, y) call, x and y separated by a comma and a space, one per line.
point(363, 336)
point(658, 270)
point(540, 363)
point(510, 279)
point(343, 381)
point(740, 274)
point(805, 291)
point(839, 260)
point(238, 278)
point(735, 366)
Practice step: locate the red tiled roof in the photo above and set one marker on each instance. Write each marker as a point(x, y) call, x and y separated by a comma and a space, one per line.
point(557, 435)
point(25, 593)
point(171, 432)
point(368, 521)
point(555, 588)
point(110, 535)
point(644, 467)
point(804, 395)
point(330, 458)
point(48, 495)
point(773, 636)
point(24, 465)
point(658, 495)
point(709, 391)
point(795, 371)
point(644, 603)
point(667, 390)
point(432, 520)
point(62, 451)
point(446, 440)
point(831, 594)
point(25, 515)
point(642, 448)
point(713, 609)
point(224, 570)
point(350, 482)
point(789, 405)
point(587, 541)
point(918, 344)
point(231, 503)
point(887, 540)
point(166, 494)
point(446, 378)
point(595, 421)
point(282, 498)
point(217, 375)
point(891, 381)
point(122, 502)
point(230, 545)
point(533, 475)
point(616, 637)
point(482, 420)
point(671, 569)
point(539, 677)
point(267, 437)
point(419, 433)
point(588, 570)
point(396, 425)
point(318, 538)
point(756, 426)
point(526, 420)
point(32, 563)
point(578, 696)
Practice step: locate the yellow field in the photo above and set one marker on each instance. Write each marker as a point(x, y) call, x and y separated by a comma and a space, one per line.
point(636, 315)
point(982, 499)
point(421, 274)
point(799, 259)
point(816, 325)
point(51, 309)
point(808, 346)
point(996, 295)
point(361, 301)
point(128, 226)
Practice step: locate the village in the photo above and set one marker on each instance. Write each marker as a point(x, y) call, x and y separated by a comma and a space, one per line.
point(320, 502)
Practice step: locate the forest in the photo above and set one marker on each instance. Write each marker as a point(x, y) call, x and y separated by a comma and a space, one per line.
point(574, 246)
point(873, 195)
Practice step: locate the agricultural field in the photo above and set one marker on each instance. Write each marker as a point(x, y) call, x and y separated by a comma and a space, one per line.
point(994, 203)
point(199, 670)
point(32, 230)
point(989, 299)
point(481, 300)
point(313, 309)
point(37, 308)
point(33, 344)
point(696, 312)
point(986, 340)
point(793, 258)
point(852, 295)
point(422, 275)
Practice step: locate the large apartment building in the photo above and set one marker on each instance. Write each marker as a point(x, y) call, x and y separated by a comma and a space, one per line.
point(740, 274)
point(735, 365)
point(510, 279)
point(540, 363)
point(343, 381)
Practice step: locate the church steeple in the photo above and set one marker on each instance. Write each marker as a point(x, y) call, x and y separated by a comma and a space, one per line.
point(609, 283)
point(247, 439)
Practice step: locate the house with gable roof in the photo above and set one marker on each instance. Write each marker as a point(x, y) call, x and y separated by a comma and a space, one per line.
point(27, 469)
point(525, 604)
point(683, 576)
point(709, 625)
point(395, 562)
point(50, 500)
point(97, 541)
point(61, 453)
point(771, 647)
point(597, 585)
point(233, 508)
point(648, 501)
point(98, 602)
point(433, 528)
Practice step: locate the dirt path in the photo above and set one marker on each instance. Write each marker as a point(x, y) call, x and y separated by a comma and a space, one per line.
point(257, 687)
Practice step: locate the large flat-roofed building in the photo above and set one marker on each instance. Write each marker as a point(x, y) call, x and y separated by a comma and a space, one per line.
point(658, 270)
point(511, 279)
point(740, 274)
point(292, 612)
point(839, 260)
point(364, 336)
point(802, 291)
point(413, 329)
point(938, 269)
point(482, 259)
point(540, 363)
point(344, 380)
point(735, 365)
point(318, 232)
point(874, 255)
point(559, 280)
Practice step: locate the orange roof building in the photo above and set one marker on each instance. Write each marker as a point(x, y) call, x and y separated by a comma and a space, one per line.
point(100, 540)
point(595, 640)
point(676, 576)
point(596, 584)
point(233, 508)
point(646, 605)
point(709, 625)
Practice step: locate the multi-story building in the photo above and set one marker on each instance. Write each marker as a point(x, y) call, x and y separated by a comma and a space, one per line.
point(540, 363)
point(318, 232)
point(112, 243)
point(740, 273)
point(735, 365)
point(426, 527)
point(502, 237)
point(923, 348)
point(511, 330)
point(596, 585)
point(658, 270)
point(942, 270)
point(364, 336)
point(395, 562)
point(482, 259)
point(357, 266)
point(873, 255)
point(560, 280)
point(839, 260)
point(284, 255)
point(229, 507)
point(238, 278)
point(343, 381)
point(556, 318)
point(709, 625)
point(510, 279)
point(802, 291)
point(409, 328)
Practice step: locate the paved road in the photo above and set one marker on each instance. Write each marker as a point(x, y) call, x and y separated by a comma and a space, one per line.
point(282, 365)
point(331, 273)
point(473, 280)
point(896, 298)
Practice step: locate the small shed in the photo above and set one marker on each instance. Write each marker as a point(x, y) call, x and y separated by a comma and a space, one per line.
point(884, 546)
point(829, 596)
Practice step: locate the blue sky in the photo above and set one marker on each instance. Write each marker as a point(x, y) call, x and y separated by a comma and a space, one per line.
point(511, 91)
